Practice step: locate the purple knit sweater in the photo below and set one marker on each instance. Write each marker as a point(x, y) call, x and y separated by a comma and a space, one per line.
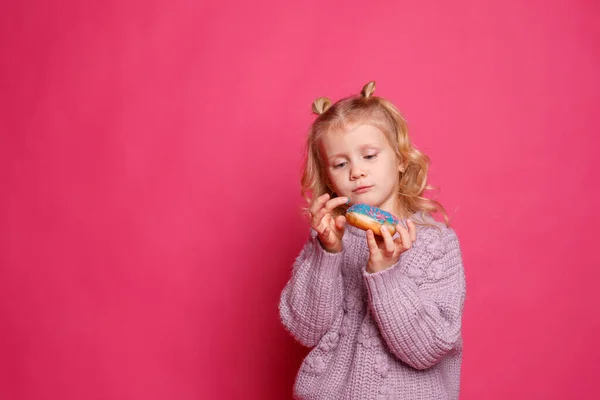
point(394, 334)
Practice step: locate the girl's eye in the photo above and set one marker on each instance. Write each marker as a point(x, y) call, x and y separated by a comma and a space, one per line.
point(370, 156)
point(339, 165)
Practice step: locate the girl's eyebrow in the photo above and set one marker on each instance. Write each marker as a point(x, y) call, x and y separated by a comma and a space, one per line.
point(370, 146)
point(363, 147)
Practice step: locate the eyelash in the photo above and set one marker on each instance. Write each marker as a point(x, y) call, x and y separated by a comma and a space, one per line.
point(367, 157)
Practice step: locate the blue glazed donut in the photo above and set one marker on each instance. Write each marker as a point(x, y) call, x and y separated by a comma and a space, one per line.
point(364, 216)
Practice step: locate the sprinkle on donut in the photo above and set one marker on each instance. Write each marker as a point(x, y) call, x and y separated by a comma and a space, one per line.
point(377, 214)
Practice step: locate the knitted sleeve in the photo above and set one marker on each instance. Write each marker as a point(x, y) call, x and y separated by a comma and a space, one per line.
point(418, 303)
point(313, 296)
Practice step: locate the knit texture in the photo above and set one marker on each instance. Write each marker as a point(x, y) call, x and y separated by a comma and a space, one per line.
point(394, 334)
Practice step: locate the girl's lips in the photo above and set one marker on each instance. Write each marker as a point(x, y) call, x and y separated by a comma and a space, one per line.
point(362, 189)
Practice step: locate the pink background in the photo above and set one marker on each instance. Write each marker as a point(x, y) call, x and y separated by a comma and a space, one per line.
point(150, 164)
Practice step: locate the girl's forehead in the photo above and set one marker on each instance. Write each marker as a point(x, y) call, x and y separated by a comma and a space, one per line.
point(354, 133)
point(356, 138)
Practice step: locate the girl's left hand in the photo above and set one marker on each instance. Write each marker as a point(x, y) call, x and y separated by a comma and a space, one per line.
point(385, 251)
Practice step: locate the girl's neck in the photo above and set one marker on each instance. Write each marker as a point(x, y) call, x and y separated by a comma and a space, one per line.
point(396, 208)
point(400, 213)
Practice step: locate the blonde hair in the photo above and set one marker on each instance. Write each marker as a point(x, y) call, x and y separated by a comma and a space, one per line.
point(378, 112)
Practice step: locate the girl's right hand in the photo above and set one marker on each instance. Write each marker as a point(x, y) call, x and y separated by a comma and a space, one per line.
point(329, 229)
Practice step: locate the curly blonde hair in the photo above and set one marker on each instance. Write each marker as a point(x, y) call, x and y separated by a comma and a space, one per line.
point(382, 114)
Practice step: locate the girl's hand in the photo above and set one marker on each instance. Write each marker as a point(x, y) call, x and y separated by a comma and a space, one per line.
point(330, 230)
point(385, 251)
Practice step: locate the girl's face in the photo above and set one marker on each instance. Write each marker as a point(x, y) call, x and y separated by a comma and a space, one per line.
point(362, 166)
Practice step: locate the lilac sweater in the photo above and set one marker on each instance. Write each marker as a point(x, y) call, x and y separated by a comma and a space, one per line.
point(394, 334)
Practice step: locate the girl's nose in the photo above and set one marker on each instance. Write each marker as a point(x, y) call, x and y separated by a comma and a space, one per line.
point(356, 173)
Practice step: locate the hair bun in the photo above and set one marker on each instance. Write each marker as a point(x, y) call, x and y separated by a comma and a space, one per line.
point(321, 105)
point(368, 90)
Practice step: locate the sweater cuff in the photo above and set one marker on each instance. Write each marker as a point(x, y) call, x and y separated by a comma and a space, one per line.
point(328, 265)
point(382, 285)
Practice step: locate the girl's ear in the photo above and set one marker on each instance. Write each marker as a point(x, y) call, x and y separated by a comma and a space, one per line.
point(401, 167)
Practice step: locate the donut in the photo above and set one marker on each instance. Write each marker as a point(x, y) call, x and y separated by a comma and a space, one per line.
point(367, 217)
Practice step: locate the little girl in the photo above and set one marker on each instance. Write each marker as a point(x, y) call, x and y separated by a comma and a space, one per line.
point(382, 313)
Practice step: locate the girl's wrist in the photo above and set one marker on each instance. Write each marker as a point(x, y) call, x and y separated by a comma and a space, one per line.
point(374, 269)
point(333, 250)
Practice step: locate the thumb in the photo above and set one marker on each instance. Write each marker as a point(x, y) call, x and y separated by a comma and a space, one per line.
point(340, 223)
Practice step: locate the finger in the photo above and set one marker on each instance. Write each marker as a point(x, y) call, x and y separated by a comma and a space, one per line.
point(325, 235)
point(340, 223)
point(318, 203)
point(412, 230)
point(405, 237)
point(327, 208)
point(373, 249)
point(335, 202)
point(318, 217)
point(388, 242)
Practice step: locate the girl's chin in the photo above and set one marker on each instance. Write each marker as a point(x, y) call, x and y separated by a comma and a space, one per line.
point(365, 198)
